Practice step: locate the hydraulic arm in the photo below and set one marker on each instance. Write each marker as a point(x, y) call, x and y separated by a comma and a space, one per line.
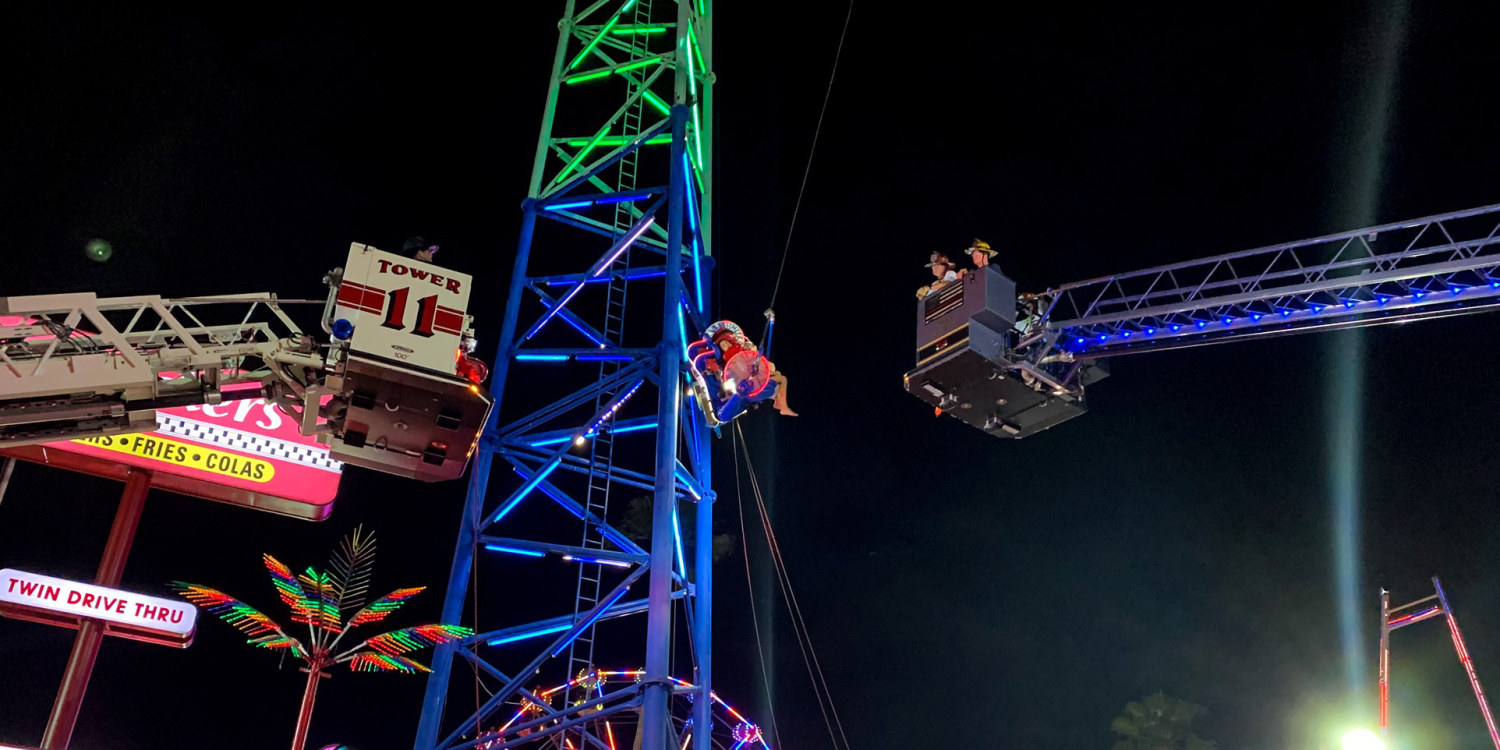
point(74, 365)
point(393, 388)
point(1013, 365)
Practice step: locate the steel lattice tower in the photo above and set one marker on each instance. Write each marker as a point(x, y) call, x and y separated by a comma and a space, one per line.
point(618, 210)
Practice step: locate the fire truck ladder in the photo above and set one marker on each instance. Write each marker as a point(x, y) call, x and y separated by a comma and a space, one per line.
point(1395, 618)
point(1014, 365)
point(75, 366)
point(1438, 266)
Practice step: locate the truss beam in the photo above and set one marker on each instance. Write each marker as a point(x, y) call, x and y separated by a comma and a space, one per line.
point(1404, 270)
point(647, 69)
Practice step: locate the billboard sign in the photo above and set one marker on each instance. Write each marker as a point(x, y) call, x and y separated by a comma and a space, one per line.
point(246, 452)
point(403, 310)
point(58, 601)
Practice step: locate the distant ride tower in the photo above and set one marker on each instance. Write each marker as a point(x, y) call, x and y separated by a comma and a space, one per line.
point(1390, 620)
point(618, 210)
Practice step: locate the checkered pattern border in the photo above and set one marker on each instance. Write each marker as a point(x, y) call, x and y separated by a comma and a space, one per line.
point(210, 434)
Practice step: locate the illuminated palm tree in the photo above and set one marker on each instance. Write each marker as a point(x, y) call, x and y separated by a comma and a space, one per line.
point(319, 600)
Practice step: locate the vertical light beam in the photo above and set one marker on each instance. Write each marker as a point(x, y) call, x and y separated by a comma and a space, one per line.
point(1346, 412)
point(1361, 170)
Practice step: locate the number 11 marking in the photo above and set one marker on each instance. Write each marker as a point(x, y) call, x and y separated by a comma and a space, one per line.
point(396, 313)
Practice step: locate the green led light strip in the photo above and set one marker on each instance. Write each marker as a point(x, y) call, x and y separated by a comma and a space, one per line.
point(600, 36)
point(657, 102)
point(693, 38)
point(595, 42)
point(593, 143)
point(616, 140)
point(607, 71)
point(656, 28)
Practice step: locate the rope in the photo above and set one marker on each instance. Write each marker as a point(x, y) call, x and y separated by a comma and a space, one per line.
point(799, 624)
point(808, 170)
point(760, 648)
point(795, 608)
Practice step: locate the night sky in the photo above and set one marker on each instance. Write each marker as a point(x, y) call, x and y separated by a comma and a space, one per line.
point(961, 590)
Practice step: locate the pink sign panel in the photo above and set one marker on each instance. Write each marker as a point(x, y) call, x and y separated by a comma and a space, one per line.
point(244, 452)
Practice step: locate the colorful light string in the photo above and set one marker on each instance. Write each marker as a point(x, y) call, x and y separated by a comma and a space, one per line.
point(743, 733)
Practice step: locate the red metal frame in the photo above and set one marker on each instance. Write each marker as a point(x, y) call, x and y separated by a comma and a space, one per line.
point(1387, 624)
point(75, 679)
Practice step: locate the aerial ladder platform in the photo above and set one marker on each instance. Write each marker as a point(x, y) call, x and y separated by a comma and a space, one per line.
point(1014, 364)
point(390, 386)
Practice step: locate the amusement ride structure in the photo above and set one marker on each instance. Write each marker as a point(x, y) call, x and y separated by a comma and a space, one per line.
point(617, 220)
point(1395, 618)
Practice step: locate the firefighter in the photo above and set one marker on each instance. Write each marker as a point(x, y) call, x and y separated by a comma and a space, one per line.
point(943, 270)
point(980, 252)
point(417, 248)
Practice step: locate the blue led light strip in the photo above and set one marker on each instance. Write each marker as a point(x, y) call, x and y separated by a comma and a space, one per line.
point(515, 550)
point(561, 206)
point(528, 634)
point(525, 489)
point(598, 268)
point(615, 430)
point(598, 612)
point(692, 212)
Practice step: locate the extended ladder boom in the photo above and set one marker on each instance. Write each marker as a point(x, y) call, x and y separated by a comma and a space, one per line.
point(1431, 267)
point(74, 365)
point(394, 389)
point(1013, 365)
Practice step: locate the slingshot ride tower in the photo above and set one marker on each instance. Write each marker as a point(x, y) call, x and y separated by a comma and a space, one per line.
point(591, 408)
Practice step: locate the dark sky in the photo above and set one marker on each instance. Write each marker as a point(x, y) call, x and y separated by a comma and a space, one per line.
point(961, 590)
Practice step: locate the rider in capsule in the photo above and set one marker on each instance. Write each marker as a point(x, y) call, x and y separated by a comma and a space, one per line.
point(742, 369)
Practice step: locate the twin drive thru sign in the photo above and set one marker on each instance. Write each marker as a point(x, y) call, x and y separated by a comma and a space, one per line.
point(55, 601)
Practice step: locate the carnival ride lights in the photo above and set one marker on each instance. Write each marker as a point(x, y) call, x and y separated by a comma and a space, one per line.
point(1015, 365)
point(1389, 622)
point(731, 730)
point(722, 396)
point(621, 195)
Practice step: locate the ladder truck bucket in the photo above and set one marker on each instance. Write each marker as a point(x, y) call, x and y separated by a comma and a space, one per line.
point(401, 402)
point(966, 334)
point(406, 422)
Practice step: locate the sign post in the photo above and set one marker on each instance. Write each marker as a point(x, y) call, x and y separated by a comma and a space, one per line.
point(91, 631)
point(5, 470)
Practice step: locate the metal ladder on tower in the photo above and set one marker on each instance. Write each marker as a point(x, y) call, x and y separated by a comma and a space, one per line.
point(590, 575)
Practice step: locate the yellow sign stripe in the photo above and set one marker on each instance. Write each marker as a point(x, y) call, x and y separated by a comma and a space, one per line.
point(152, 446)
